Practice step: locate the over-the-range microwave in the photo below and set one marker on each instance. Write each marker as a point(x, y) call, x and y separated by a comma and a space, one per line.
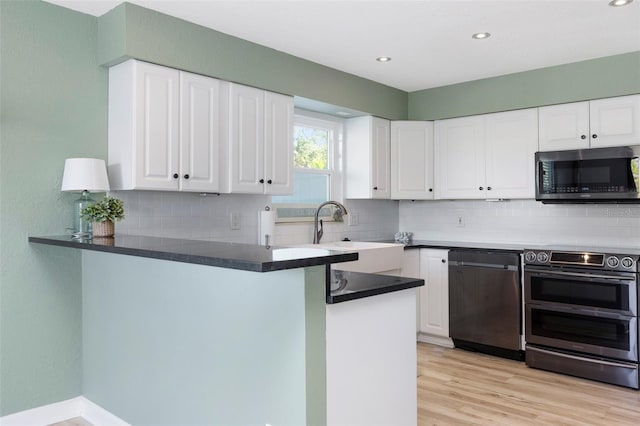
point(597, 175)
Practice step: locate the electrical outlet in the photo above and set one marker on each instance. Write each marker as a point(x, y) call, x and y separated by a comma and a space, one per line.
point(353, 219)
point(460, 222)
point(234, 220)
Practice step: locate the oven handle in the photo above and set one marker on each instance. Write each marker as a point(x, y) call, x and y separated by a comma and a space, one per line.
point(584, 359)
point(581, 310)
point(546, 273)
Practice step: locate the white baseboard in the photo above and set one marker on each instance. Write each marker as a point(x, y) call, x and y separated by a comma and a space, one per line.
point(63, 410)
point(436, 340)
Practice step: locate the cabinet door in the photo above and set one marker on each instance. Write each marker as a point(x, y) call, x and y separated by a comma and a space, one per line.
point(511, 142)
point(380, 158)
point(200, 133)
point(157, 124)
point(434, 296)
point(564, 127)
point(615, 121)
point(412, 160)
point(246, 137)
point(459, 153)
point(278, 143)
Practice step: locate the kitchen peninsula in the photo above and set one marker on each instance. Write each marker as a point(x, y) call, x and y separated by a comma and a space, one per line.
point(201, 332)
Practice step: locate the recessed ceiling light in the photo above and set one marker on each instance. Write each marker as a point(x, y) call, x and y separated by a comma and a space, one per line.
point(343, 113)
point(480, 36)
point(616, 3)
point(383, 59)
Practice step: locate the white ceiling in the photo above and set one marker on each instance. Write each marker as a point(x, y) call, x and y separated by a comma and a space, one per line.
point(429, 40)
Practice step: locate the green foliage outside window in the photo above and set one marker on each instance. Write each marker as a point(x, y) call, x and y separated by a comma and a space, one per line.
point(311, 148)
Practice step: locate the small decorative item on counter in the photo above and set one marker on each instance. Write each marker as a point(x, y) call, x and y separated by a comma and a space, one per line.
point(103, 214)
point(403, 237)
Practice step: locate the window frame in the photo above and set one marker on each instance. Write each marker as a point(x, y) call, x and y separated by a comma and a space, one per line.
point(334, 171)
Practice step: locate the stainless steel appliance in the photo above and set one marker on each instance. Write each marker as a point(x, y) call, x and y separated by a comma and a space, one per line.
point(485, 299)
point(588, 175)
point(581, 314)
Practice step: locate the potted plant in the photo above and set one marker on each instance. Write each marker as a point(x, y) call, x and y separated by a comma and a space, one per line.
point(103, 214)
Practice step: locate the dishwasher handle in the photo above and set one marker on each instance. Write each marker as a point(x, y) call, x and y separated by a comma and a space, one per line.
point(462, 264)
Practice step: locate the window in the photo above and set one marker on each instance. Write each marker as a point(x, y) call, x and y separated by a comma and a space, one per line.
point(316, 168)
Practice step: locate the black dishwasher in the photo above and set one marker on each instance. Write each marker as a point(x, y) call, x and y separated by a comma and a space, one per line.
point(485, 301)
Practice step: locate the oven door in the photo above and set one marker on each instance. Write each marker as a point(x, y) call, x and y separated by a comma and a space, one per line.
point(571, 328)
point(600, 291)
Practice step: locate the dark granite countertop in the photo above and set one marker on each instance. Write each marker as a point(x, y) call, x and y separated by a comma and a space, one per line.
point(345, 285)
point(464, 245)
point(247, 257)
point(518, 247)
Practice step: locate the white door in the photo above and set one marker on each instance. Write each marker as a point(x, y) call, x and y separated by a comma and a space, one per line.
point(246, 137)
point(412, 160)
point(434, 296)
point(615, 121)
point(564, 127)
point(511, 142)
point(459, 153)
point(200, 133)
point(380, 158)
point(278, 143)
point(157, 98)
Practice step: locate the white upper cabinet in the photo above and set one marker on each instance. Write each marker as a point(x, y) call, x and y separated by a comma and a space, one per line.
point(278, 143)
point(158, 115)
point(459, 153)
point(510, 147)
point(412, 160)
point(615, 121)
point(200, 133)
point(258, 155)
point(367, 158)
point(564, 126)
point(592, 124)
point(486, 156)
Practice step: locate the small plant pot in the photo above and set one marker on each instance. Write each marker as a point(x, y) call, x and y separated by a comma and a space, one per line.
point(103, 229)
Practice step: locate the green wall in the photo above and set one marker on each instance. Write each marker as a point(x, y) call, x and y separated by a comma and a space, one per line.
point(171, 343)
point(130, 31)
point(53, 106)
point(596, 78)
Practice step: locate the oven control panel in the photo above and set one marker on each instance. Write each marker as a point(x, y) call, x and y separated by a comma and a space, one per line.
point(591, 260)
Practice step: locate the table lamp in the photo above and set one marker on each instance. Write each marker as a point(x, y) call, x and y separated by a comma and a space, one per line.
point(84, 175)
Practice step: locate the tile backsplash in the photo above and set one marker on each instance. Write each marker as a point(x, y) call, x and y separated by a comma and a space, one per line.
point(523, 221)
point(190, 215)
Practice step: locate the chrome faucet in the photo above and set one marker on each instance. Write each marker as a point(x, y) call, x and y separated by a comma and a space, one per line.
point(317, 234)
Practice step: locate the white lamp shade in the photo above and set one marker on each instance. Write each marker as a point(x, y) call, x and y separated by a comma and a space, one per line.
point(85, 174)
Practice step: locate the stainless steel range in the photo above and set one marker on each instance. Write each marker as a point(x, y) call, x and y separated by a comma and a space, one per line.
point(581, 314)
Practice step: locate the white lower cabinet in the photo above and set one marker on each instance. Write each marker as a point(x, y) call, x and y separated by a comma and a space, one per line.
point(434, 297)
point(432, 300)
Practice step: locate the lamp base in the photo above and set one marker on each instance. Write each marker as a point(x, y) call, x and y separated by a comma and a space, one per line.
point(81, 226)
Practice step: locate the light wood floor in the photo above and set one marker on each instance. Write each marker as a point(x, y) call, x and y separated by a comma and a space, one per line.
point(457, 387)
